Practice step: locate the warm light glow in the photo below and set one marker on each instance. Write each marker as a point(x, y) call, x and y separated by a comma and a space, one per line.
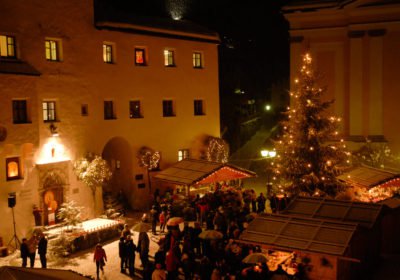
point(52, 151)
point(12, 168)
point(268, 154)
point(267, 107)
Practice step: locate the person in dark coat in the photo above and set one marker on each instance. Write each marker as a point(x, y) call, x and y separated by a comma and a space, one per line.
point(154, 219)
point(122, 253)
point(143, 248)
point(273, 202)
point(32, 244)
point(130, 253)
point(24, 252)
point(261, 203)
point(42, 250)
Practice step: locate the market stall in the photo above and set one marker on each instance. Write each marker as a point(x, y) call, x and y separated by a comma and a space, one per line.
point(321, 247)
point(372, 184)
point(192, 176)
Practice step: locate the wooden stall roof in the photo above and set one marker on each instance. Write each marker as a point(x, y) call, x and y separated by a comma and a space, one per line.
point(199, 172)
point(287, 232)
point(368, 176)
point(364, 214)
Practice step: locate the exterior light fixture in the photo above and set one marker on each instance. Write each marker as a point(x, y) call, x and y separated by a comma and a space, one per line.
point(53, 130)
point(268, 153)
point(267, 107)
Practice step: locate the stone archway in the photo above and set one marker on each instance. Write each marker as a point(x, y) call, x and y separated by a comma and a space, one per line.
point(118, 153)
point(52, 196)
point(52, 190)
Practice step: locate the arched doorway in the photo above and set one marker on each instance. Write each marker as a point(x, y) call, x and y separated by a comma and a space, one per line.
point(118, 153)
point(52, 196)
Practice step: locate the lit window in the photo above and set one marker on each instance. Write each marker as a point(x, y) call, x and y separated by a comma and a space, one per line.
point(198, 108)
point(20, 111)
point(12, 168)
point(109, 110)
point(197, 60)
point(169, 58)
point(140, 57)
point(135, 109)
point(108, 53)
point(7, 46)
point(168, 108)
point(49, 111)
point(52, 50)
point(182, 154)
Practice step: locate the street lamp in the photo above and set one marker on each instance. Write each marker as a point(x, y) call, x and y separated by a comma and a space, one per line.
point(268, 155)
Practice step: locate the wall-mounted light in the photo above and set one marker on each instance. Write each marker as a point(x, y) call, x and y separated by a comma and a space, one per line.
point(117, 164)
point(53, 130)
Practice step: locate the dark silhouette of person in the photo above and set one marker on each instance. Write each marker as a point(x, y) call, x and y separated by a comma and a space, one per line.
point(42, 250)
point(24, 252)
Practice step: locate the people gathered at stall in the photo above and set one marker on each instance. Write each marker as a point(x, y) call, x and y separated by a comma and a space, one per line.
point(207, 247)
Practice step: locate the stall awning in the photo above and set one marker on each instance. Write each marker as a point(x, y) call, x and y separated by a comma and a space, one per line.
point(192, 172)
point(364, 214)
point(368, 177)
point(286, 232)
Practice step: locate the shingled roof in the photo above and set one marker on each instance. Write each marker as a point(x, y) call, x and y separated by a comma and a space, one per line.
point(364, 214)
point(287, 232)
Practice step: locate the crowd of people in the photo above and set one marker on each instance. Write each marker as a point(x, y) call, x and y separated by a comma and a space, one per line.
point(186, 253)
point(226, 211)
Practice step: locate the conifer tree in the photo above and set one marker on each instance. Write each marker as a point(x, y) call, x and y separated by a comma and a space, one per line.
point(309, 152)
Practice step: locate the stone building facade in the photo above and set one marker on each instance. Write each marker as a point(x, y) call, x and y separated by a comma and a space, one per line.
point(72, 82)
point(355, 46)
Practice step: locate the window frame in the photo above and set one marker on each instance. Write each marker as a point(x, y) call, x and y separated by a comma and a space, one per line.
point(49, 117)
point(84, 110)
point(109, 111)
point(198, 109)
point(169, 58)
point(20, 114)
point(168, 107)
point(144, 52)
point(183, 153)
point(133, 113)
point(108, 53)
point(197, 60)
point(9, 47)
point(53, 54)
point(16, 160)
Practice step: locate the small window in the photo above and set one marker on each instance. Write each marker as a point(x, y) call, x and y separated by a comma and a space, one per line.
point(84, 110)
point(169, 59)
point(49, 111)
point(7, 46)
point(52, 50)
point(109, 110)
point(182, 154)
point(135, 110)
point(197, 60)
point(168, 108)
point(20, 111)
point(198, 108)
point(108, 56)
point(140, 57)
point(13, 170)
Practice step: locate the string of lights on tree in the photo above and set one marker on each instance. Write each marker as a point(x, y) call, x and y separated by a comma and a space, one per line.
point(217, 150)
point(309, 152)
point(148, 158)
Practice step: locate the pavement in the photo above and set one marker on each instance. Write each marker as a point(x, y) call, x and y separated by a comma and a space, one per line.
point(82, 262)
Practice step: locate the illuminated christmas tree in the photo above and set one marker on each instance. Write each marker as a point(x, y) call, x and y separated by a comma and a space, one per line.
point(309, 152)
